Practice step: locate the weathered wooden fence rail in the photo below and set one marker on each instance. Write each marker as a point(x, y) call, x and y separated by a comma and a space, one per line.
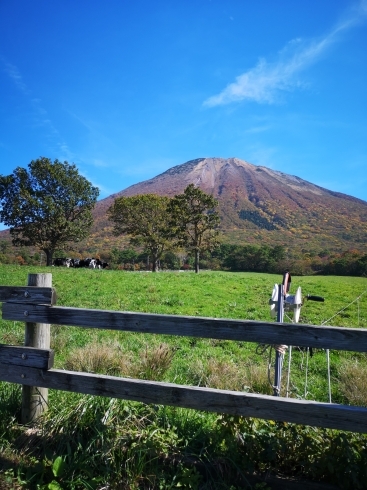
point(32, 366)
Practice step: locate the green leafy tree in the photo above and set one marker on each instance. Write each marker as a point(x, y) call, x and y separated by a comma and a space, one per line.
point(47, 206)
point(126, 256)
point(254, 258)
point(145, 218)
point(170, 260)
point(194, 221)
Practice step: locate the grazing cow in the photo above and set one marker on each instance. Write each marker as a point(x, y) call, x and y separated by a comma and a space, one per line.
point(92, 264)
point(69, 263)
point(81, 263)
point(63, 261)
point(100, 264)
point(58, 262)
point(96, 264)
point(84, 263)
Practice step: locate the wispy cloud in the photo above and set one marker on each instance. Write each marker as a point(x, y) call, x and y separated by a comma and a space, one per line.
point(99, 163)
point(268, 79)
point(258, 129)
point(52, 134)
point(261, 155)
point(146, 168)
point(13, 73)
point(40, 114)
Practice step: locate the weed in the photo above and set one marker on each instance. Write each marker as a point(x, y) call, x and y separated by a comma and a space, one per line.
point(153, 363)
point(219, 374)
point(257, 379)
point(352, 382)
point(98, 358)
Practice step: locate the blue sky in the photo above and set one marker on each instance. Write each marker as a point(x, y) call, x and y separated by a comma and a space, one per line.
point(127, 89)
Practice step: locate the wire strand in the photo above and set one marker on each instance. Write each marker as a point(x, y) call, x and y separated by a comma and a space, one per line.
point(345, 307)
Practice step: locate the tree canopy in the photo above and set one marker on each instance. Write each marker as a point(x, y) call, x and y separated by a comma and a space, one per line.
point(145, 218)
point(48, 205)
point(194, 221)
point(160, 223)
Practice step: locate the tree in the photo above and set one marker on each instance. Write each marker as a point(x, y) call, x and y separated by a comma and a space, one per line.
point(254, 258)
point(145, 218)
point(47, 206)
point(194, 221)
point(126, 256)
point(170, 260)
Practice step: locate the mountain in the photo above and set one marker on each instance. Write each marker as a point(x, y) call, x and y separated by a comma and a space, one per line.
point(258, 205)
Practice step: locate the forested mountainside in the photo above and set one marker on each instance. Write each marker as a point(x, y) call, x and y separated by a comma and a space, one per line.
point(257, 205)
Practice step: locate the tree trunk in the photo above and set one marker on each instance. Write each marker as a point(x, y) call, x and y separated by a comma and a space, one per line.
point(155, 264)
point(49, 254)
point(197, 254)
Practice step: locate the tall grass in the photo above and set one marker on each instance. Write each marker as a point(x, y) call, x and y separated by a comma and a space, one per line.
point(92, 442)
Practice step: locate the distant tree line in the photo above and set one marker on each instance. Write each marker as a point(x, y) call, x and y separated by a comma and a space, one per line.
point(234, 258)
point(349, 263)
point(249, 258)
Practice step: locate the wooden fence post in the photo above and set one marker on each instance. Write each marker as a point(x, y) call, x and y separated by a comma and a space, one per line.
point(35, 399)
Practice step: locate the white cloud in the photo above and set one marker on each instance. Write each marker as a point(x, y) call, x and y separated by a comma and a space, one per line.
point(267, 80)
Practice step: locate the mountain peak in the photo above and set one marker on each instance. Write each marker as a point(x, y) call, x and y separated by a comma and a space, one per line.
point(257, 204)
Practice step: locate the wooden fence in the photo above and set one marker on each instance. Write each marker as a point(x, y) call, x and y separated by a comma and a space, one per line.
point(31, 365)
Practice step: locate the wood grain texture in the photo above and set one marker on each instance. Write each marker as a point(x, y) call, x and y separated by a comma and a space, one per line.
point(26, 356)
point(28, 295)
point(338, 338)
point(231, 402)
point(37, 335)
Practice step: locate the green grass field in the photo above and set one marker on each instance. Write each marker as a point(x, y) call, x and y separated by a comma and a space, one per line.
point(161, 447)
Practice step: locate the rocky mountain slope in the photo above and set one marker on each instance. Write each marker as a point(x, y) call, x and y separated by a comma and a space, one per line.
point(257, 205)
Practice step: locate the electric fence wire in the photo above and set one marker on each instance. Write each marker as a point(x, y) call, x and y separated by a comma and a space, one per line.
point(289, 365)
point(261, 348)
point(327, 321)
point(345, 307)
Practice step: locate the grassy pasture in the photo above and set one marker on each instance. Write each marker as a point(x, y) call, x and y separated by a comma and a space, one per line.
point(136, 444)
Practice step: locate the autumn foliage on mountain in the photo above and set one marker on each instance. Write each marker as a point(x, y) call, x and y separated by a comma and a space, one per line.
point(257, 205)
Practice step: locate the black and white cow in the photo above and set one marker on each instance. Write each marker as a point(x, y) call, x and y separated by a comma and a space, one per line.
point(89, 262)
point(63, 262)
point(100, 264)
point(92, 263)
point(81, 262)
point(95, 263)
